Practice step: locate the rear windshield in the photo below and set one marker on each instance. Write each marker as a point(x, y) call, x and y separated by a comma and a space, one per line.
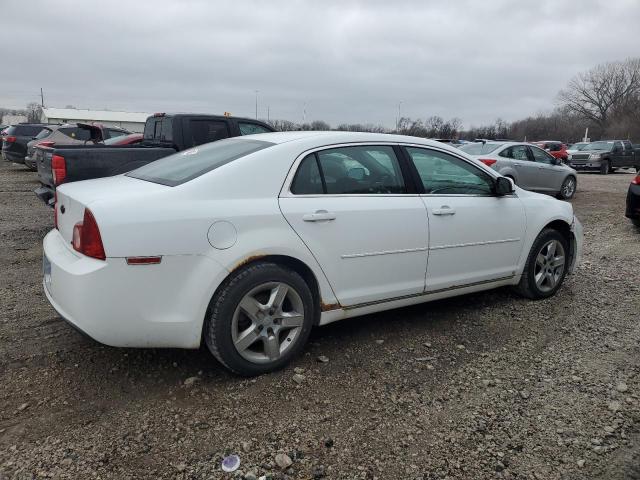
point(25, 130)
point(44, 133)
point(189, 164)
point(479, 148)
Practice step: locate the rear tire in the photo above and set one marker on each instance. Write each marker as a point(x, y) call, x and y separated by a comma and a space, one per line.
point(605, 167)
point(259, 319)
point(568, 188)
point(546, 266)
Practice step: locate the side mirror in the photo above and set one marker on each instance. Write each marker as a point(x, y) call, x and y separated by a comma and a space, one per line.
point(503, 186)
point(555, 161)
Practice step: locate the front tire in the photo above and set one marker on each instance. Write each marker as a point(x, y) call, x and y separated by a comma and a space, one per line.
point(546, 266)
point(568, 188)
point(259, 319)
point(605, 167)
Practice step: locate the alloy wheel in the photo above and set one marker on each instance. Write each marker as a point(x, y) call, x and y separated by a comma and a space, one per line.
point(550, 263)
point(568, 187)
point(267, 322)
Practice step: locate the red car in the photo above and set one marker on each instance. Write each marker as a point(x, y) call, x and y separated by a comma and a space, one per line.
point(555, 148)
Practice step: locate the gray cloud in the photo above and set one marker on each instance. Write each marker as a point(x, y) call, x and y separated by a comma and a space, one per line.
point(341, 61)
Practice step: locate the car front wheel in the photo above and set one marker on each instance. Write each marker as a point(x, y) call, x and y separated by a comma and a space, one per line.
point(605, 168)
point(568, 188)
point(260, 319)
point(546, 266)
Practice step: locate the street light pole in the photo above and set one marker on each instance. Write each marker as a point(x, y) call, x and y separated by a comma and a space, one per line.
point(398, 117)
point(257, 104)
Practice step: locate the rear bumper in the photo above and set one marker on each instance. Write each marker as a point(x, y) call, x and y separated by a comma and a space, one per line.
point(633, 202)
point(130, 306)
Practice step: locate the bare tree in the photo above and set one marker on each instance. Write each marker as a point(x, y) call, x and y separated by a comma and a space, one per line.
point(595, 94)
point(34, 112)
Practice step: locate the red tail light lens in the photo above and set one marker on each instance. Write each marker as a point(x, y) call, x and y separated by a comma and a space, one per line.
point(10, 139)
point(59, 169)
point(86, 237)
point(46, 143)
point(636, 181)
point(488, 161)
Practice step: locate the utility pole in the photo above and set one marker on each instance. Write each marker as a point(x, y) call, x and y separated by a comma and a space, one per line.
point(398, 117)
point(41, 97)
point(257, 104)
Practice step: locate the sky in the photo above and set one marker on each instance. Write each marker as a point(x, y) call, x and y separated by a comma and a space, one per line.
point(337, 61)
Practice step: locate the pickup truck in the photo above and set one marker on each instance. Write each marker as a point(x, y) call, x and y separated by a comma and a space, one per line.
point(605, 156)
point(163, 135)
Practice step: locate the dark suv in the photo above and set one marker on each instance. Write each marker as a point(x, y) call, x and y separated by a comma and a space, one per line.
point(14, 142)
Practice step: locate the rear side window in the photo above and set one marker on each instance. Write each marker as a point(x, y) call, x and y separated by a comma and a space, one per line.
point(308, 180)
point(205, 131)
point(189, 164)
point(76, 133)
point(251, 128)
point(517, 152)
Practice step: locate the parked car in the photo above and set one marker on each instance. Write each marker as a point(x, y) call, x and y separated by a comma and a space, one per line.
point(69, 134)
point(528, 166)
point(606, 156)
point(576, 147)
point(633, 200)
point(14, 142)
point(245, 244)
point(555, 148)
point(163, 135)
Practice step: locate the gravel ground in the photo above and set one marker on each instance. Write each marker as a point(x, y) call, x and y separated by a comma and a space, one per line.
point(482, 386)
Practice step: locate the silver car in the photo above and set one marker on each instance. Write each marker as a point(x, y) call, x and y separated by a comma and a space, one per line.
point(528, 166)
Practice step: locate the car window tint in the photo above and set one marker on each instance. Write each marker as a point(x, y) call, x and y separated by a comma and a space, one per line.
point(308, 180)
point(541, 156)
point(44, 134)
point(251, 128)
point(445, 174)
point(519, 152)
point(189, 164)
point(367, 169)
point(205, 131)
point(111, 133)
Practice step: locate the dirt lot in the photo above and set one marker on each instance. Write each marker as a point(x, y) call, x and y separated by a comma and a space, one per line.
point(482, 386)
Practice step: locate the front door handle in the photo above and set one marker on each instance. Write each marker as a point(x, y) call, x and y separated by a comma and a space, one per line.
point(444, 210)
point(319, 216)
point(517, 165)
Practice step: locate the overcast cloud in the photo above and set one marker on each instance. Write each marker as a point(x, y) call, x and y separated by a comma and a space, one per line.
point(341, 61)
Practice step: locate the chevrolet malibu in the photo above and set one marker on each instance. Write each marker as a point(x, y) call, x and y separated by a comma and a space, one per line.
point(245, 244)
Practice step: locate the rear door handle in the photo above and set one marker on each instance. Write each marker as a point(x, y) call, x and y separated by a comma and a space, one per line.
point(319, 216)
point(444, 210)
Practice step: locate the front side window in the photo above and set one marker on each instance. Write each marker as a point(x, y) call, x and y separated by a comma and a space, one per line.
point(251, 128)
point(189, 164)
point(444, 174)
point(541, 156)
point(358, 170)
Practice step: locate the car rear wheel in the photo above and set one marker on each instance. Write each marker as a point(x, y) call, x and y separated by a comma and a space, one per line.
point(259, 319)
point(604, 167)
point(568, 188)
point(546, 266)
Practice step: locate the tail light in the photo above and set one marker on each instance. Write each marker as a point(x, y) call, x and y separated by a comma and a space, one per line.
point(46, 143)
point(86, 237)
point(59, 169)
point(10, 139)
point(636, 180)
point(55, 209)
point(488, 161)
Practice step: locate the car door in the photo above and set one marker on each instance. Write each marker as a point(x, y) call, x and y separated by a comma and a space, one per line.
point(520, 159)
point(548, 176)
point(474, 235)
point(352, 207)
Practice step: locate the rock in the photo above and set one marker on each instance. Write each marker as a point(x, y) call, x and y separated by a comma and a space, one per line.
point(488, 383)
point(460, 347)
point(23, 406)
point(427, 344)
point(524, 394)
point(246, 446)
point(380, 342)
point(622, 387)
point(189, 382)
point(580, 463)
point(328, 442)
point(614, 406)
point(576, 378)
point(298, 370)
point(250, 476)
point(66, 461)
point(318, 472)
point(323, 359)
point(299, 378)
point(283, 461)
point(500, 467)
point(181, 467)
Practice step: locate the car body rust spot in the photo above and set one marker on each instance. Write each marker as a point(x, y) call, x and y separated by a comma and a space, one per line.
point(325, 307)
point(248, 260)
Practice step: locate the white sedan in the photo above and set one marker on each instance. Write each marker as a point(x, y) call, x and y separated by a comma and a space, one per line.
point(248, 243)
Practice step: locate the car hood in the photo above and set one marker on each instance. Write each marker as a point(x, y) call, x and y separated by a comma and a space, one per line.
point(592, 151)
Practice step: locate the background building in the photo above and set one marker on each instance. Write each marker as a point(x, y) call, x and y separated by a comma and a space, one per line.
point(13, 119)
point(132, 121)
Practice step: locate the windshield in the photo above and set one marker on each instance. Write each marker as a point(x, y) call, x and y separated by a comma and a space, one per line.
point(578, 146)
point(194, 162)
point(603, 146)
point(479, 148)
